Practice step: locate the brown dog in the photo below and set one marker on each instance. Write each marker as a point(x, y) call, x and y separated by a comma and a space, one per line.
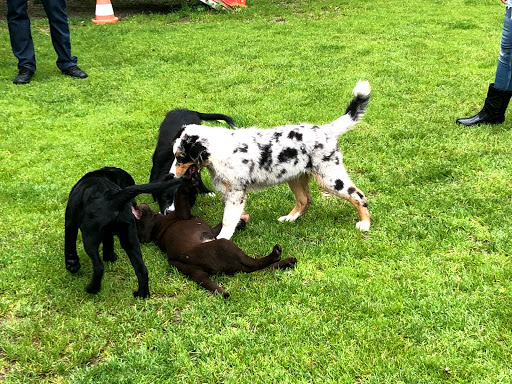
point(192, 246)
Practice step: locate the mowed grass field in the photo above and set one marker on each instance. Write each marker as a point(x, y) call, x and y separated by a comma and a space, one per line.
point(424, 297)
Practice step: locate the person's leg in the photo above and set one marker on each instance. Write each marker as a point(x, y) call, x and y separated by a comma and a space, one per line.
point(503, 79)
point(499, 92)
point(59, 30)
point(19, 32)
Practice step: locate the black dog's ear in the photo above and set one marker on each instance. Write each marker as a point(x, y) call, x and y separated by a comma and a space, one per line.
point(198, 153)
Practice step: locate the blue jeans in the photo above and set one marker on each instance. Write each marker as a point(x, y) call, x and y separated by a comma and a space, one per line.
point(21, 38)
point(503, 79)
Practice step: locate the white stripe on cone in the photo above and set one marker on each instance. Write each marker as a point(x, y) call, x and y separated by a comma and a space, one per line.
point(104, 10)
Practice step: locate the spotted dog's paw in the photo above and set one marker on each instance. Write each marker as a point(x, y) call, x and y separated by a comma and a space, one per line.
point(289, 217)
point(363, 226)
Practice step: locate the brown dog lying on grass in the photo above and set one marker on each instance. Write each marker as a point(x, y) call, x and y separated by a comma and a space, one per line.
point(192, 246)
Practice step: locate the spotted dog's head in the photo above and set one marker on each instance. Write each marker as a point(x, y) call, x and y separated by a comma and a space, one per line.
point(191, 155)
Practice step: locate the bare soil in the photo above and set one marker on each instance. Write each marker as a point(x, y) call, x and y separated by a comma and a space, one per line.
point(122, 8)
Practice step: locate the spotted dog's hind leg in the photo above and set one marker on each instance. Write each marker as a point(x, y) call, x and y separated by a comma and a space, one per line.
point(335, 179)
point(300, 188)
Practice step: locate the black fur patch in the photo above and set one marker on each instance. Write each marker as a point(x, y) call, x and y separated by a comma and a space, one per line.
point(287, 154)
point(265, 156)
point(319, 145)
point(357, 106)
point(329, 156)
point(193, 150)
point(243, 148)
point(338, 185)
point(277, 135)
point(295, 135)
point(309, 165)
point(351, 190)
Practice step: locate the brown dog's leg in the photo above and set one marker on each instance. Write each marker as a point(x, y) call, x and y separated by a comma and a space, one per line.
point(199, 276)
point(289, 262)
point(300, 188)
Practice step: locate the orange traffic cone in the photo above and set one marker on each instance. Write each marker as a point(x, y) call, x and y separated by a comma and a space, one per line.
point(234, 3)
point(104, 13)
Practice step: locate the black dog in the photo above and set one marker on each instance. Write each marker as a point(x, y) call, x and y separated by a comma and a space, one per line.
point(100, 205)
point(163, 156)
point(192, 247)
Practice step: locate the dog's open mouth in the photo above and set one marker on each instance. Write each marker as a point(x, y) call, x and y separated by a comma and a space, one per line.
point(191, 171)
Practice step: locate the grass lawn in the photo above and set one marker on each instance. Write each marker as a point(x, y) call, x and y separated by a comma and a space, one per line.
point(424, 297)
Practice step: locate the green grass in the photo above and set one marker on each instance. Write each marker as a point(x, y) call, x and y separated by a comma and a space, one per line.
point(424, 297)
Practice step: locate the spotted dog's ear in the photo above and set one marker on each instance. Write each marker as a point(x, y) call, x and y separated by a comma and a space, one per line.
point(198, 153)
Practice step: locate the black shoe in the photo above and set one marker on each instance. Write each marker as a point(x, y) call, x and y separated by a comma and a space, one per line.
point(23, 77)
point(493, 111)
point(74, 71)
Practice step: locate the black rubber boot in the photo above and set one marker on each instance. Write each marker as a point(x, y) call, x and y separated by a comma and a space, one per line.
point(494, 108)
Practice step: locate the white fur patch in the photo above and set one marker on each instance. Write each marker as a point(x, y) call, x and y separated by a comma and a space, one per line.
point(362, 88)
point(363, 226)
point(289, 217)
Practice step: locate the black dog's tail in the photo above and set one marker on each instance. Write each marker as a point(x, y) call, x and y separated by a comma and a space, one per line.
point(123, 196)
point(217, 116)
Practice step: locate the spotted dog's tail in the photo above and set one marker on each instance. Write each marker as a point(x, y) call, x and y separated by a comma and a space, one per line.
point(354, 111)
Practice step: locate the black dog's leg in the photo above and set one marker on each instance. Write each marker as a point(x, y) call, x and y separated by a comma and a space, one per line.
point(108, 247)
point(130, 244)
point(70, 255)
point(91, 246)
point(201, 187)
point(200, 277)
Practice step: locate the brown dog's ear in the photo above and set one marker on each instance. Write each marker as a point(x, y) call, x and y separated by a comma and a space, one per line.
point(144, 222)
point(137, 212)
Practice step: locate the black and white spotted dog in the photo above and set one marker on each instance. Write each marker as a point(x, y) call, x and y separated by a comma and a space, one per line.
point(250, 159)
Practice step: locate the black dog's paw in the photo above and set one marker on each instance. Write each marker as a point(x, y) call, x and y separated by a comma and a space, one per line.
point(277, 250)
point(225, 294)
point(110, 257)
point(143, 294)
point(93, 288)
point(241, 225)
point(73, 265)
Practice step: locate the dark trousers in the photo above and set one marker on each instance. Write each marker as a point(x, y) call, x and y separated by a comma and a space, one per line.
point(21, 38)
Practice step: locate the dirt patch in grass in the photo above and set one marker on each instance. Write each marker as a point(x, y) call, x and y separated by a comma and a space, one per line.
point(122, 8)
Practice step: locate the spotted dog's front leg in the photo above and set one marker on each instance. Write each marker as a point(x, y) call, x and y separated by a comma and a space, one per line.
point(234, 202)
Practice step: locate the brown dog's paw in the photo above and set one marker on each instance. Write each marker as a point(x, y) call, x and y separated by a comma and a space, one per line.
point(277, 250)
point(289, 262)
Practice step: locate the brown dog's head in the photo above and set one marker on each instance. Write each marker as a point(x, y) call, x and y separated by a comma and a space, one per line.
point(191, 155)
